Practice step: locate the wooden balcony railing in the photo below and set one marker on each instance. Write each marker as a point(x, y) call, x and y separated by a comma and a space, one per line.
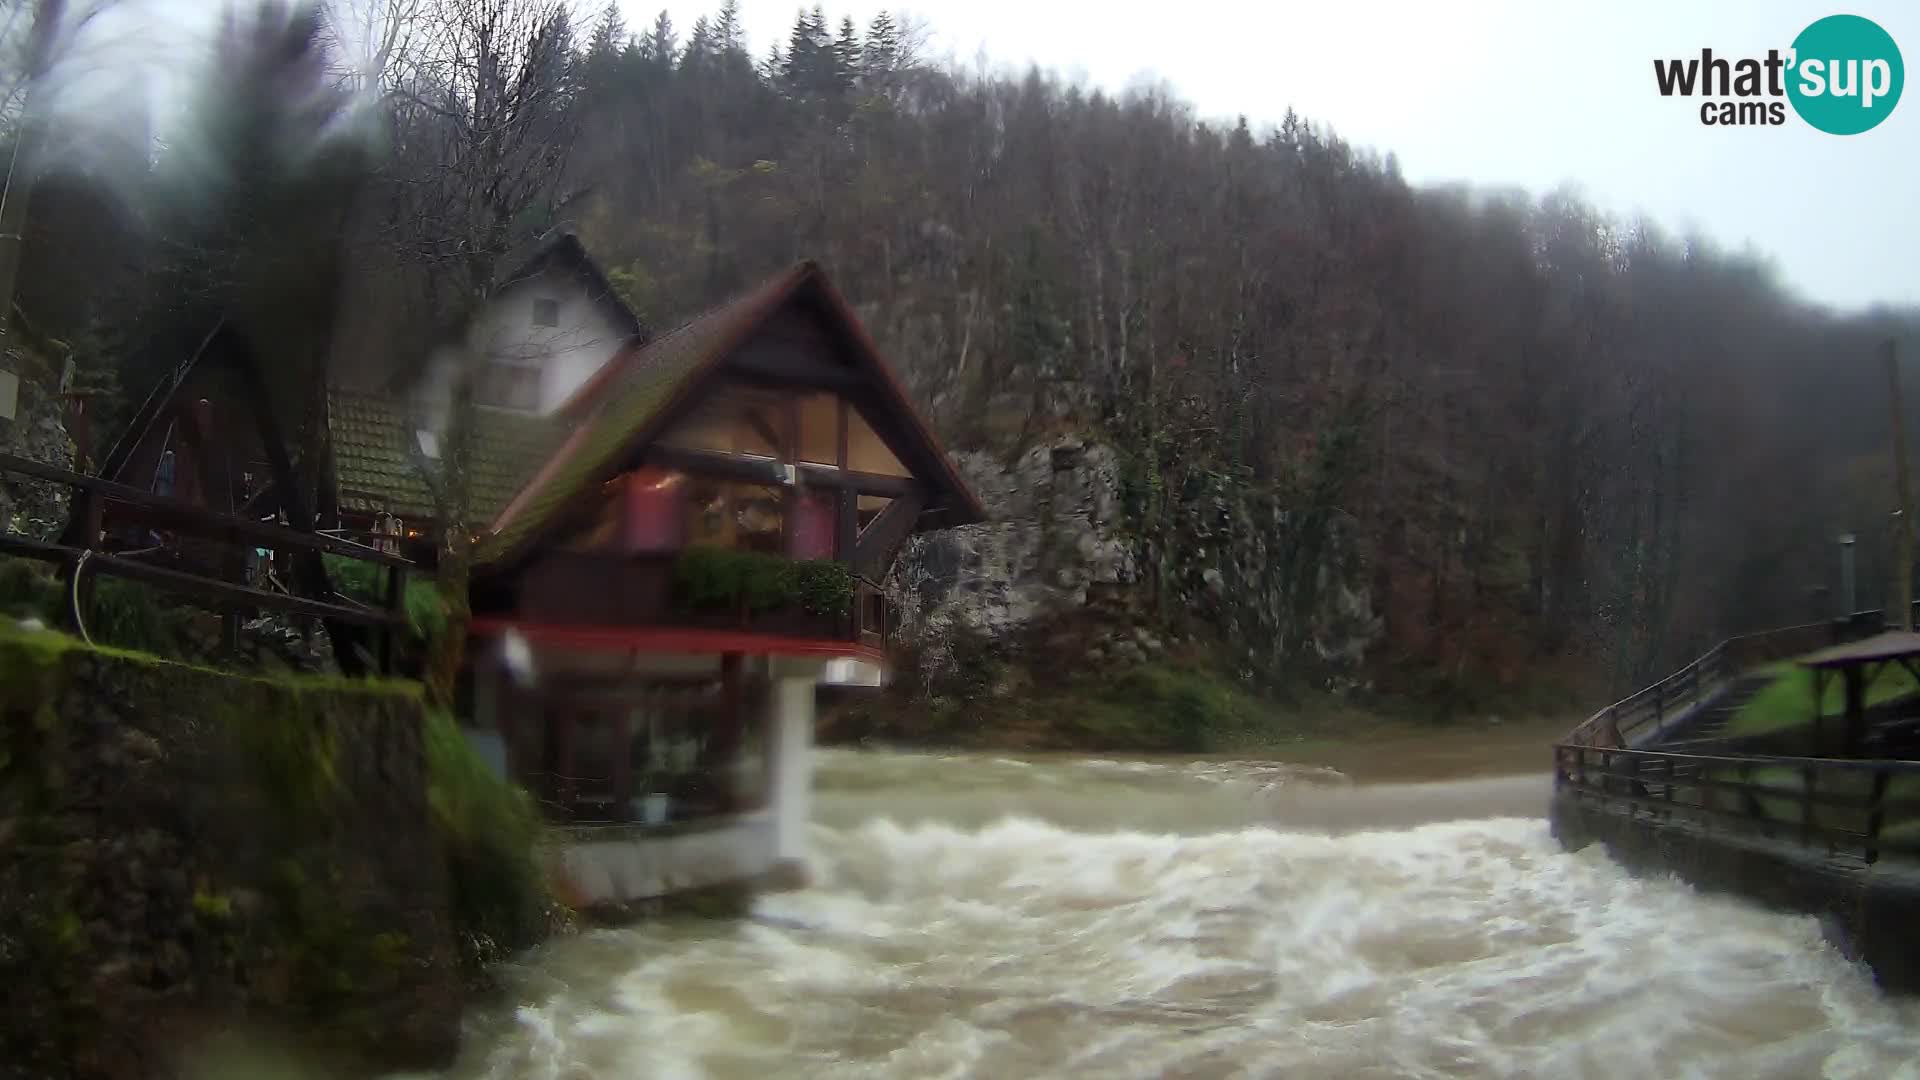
point(610, 589)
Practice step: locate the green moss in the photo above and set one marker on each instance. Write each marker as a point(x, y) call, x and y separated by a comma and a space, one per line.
point(212, 906)
point(723, 579)
point(491, 833)
point(277, 746)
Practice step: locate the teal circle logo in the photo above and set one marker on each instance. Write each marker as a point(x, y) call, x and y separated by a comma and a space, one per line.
point(1846, 75)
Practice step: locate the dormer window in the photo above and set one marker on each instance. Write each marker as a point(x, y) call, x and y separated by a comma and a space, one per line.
point(546, 312)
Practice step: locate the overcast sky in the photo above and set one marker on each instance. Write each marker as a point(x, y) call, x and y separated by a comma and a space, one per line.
point(1524, 93)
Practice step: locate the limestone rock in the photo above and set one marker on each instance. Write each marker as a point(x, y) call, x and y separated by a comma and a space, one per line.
point(1055, 549)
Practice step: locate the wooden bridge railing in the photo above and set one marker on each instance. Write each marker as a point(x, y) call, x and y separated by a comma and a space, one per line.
point(1864, 808)
point(92, 495)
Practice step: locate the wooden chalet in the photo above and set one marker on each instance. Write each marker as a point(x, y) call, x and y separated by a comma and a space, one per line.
point(654, 608)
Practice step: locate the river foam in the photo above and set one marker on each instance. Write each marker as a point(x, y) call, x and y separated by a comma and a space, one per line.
point(1037, 944)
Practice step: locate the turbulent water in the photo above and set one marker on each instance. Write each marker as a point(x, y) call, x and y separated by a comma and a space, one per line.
point(983, 917)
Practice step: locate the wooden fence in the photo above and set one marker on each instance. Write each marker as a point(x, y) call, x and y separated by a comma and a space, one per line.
point(92, 495)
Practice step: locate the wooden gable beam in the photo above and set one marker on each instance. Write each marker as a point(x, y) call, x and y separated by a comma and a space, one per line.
point(788, 363)
point(765, 471)
point(883, 536)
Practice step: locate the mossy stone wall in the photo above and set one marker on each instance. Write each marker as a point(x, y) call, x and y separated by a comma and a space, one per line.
point(184, 851)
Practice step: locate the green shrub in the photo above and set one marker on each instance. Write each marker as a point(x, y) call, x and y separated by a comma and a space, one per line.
point(123, 614)
point(723, 579)
point(28, 589)
point(367, 583)
point(490, 831)
point(1158, 707)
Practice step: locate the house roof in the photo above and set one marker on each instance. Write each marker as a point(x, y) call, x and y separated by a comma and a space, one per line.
point(641, 387)
point(1892, 645)
point(563, 251)
point(378, 464)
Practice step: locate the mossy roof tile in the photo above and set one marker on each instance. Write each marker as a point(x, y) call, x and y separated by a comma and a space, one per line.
point(379, 468)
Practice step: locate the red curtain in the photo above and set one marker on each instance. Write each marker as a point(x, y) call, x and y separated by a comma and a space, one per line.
point(655, 504)
point(813, 525)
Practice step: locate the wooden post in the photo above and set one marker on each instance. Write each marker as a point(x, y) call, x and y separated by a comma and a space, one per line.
point(1806, 806)
point(396, 609)
point(1820, 712)
point(723, 748)
point(1877, 815)
point(1903, 498)
point(234, 569)
point(562, 720)
point(1856, 683)
point(623, 763)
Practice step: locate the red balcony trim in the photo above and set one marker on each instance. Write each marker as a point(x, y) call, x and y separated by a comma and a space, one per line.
point(673, 639)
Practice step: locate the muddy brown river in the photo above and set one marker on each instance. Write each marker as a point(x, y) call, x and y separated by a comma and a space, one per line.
point(981, 916)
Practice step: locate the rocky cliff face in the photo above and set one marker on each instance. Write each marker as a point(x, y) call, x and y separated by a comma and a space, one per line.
point(1059, 554)
point(34, 507)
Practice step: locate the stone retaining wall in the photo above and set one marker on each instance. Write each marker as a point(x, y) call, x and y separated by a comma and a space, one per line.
point(187, 852)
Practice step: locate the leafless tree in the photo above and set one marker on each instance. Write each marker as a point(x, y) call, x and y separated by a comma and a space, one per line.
point(482, 129)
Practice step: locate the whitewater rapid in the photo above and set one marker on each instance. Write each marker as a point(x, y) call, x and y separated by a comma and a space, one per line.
point(983, 917)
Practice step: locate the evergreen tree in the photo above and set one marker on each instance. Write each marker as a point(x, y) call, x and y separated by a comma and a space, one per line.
point(609, 35)
point(728, 35)
point(846, 54)
point(882, 51)
point(661, 46)
point(700, 44)
point(811, 69)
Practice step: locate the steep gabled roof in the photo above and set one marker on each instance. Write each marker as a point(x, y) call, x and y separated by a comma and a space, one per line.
point(563, 251)
point(629, 403)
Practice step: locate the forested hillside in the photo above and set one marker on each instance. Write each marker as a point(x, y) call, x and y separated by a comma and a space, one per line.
point(1560, 431)
point(1555, 432)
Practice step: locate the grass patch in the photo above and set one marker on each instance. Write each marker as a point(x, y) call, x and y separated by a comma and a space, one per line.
point(122, 614)
point(1787, 702)
point(1160, 707)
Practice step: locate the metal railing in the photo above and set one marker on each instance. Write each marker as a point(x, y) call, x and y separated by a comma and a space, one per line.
point(1648, 711)
point(1862, 808)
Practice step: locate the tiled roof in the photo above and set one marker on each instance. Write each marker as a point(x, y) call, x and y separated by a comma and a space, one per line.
point(378, 466)
point(629, 400)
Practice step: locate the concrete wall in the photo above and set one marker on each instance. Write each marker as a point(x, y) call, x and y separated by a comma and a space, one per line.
point(618, 864)
point(1869, 913)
